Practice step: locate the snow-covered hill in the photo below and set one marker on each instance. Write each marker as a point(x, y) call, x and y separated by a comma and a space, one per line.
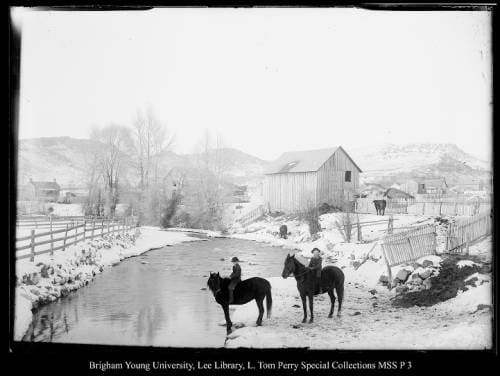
point(66, 159)
point(386, 163)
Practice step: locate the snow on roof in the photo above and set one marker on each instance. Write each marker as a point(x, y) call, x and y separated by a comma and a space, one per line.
point(302, 161)
point(45, 185)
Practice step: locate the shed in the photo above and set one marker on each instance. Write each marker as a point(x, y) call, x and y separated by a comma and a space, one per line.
point(394, 193)
point(47, 191)
point(300, 180)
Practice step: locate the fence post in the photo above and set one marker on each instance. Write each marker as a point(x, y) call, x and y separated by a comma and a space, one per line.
point(93, 227)
point(84, 228)
point(423, 208)
point(102, 227)
point(467, 242)
point(32, 257)
point(51, 243)
point(65, 237)
point(389, 272)
point(360, 235)
point(390, 224)
point(440, 206)
point(108, 227)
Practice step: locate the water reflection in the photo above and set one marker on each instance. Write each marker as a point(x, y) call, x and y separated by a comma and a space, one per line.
point(154, 299)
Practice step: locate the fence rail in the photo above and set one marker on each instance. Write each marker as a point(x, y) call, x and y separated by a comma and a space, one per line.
point(74, 232)
point(432, 207)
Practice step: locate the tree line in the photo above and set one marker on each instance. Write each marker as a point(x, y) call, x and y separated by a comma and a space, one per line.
point(134, 165)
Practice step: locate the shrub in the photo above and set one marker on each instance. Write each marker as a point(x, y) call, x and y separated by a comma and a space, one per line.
point(170, 210)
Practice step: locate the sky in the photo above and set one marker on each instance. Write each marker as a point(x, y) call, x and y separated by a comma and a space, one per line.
point(268, 80)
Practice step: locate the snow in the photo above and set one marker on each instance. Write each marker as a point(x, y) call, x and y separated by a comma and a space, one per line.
point(362, 325)
point(469, 300)
point(369, 321)
point(463, 263)
point(77, 265)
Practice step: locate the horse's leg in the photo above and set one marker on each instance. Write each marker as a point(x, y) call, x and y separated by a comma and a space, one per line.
point(332, 301)
point(304, 306)
point(229, 324)
point(340, 297)
point(311, 300)
point(261, 310)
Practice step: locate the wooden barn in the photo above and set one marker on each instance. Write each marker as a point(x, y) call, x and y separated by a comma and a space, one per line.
point(299, 180)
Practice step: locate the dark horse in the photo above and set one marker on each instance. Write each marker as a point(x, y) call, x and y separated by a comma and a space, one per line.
point(245, 291)
point(331, 278)
point(380, 206)
point(283, 231)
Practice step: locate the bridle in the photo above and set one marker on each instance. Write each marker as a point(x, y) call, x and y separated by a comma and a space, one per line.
point(300, 274)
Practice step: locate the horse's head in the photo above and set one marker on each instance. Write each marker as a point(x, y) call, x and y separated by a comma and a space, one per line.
point(213, 282)
point(289, 267)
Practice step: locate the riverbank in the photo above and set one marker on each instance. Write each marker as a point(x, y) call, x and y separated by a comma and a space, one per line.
point(461, 319)
point(50, 277)
point(368, 321)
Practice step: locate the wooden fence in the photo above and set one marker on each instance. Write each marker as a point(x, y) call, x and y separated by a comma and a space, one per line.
point(401, 206)
point(463, 232)
point(70, 233)
point(409, 246)
point(252, 215)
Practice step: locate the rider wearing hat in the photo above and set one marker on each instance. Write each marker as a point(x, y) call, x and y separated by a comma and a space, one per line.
point(315, 265)
point(235, 278)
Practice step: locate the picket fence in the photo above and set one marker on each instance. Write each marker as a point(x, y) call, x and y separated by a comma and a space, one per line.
point(461, 233)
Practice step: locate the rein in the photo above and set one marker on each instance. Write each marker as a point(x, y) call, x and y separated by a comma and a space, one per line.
point(301, 274)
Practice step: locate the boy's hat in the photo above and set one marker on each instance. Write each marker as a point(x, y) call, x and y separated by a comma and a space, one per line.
point(235, 259)
point(315, 250)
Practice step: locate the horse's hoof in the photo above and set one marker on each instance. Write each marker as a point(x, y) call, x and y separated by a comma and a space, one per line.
point(259, 324)
point(311, 321)
point(304, 321)
point(330, 316)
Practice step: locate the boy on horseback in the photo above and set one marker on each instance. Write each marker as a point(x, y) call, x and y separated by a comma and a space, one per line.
point(316, 264)
point(235, 278)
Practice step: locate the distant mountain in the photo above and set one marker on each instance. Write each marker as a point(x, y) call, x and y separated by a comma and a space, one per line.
point(390, 163)
point(62, 158)
point(66, 159)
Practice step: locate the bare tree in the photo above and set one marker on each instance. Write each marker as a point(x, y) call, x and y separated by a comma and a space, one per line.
point(151, 140)
point(110, 159)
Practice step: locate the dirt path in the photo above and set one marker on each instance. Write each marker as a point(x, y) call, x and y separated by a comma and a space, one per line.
point(368, 322)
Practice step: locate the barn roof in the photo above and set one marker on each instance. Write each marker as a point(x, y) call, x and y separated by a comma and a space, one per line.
point(303, 161)
point(435, 182)
point(47, 185)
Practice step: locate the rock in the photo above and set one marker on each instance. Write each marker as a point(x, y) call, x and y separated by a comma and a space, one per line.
point(395, 281)
point(372, 291)
point(426, 273)
point(417, 280)
point(427, 284)
point(483, 306)
point(403, 275)
point(238, 325)
point(401, 289)
point(356, 264)
point(427, 263)
point(33, 279)
point(383, 278)
point(296, 306)
point(415, 265)
point(203, 288)
point(356, 313)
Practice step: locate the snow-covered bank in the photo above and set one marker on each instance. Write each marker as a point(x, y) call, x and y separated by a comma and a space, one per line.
point(368, 321)
point(50, 277)
point(451, 310)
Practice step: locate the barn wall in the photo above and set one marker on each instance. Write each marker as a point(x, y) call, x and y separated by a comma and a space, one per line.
point(290, 192)
point(332, 187)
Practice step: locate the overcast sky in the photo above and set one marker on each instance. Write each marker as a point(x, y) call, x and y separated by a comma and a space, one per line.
point(269, 80)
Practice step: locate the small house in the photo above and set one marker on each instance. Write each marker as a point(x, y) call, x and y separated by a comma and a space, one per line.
point(300, 180)
point(45, 191)
point(394, 193)
point(433, 186)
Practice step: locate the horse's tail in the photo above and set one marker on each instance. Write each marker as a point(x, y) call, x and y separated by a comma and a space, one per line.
point(269, 302)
